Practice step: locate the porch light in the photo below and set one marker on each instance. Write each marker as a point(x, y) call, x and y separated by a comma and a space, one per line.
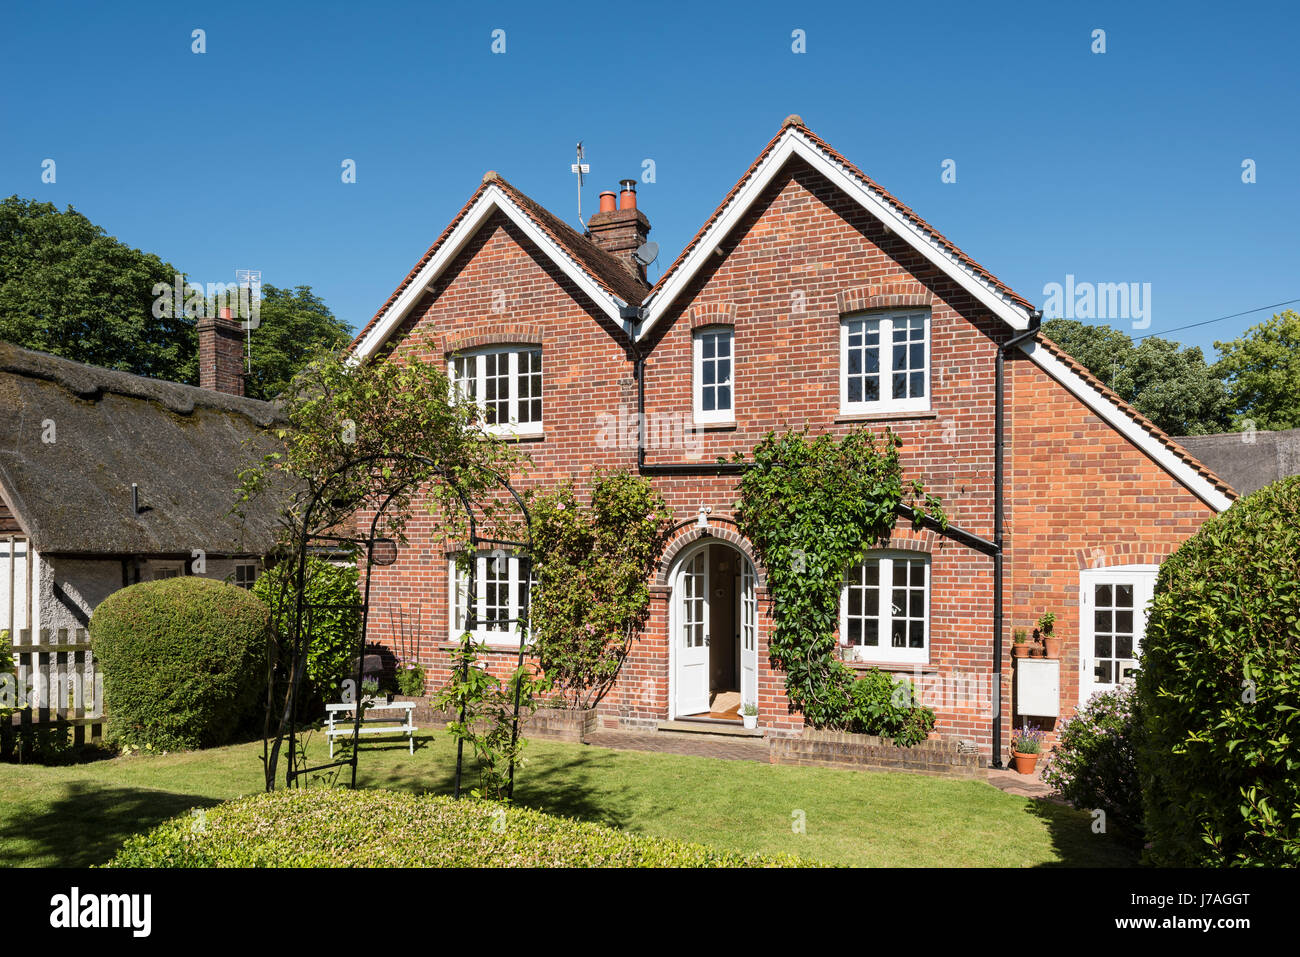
point(703, 522)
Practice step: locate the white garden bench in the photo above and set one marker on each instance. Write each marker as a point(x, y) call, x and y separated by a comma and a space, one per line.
point(370, 722)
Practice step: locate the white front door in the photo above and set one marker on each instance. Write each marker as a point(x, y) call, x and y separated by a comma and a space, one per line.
point(693, 635)
point(748, 634)
point(1112, 621)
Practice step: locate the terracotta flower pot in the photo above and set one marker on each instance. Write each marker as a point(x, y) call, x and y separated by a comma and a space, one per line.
point(1020, 651)
point(1052, 647)
point(1035, 651)
point(1023, 763)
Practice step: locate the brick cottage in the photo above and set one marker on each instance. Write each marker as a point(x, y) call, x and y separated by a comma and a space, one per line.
point(812, 298)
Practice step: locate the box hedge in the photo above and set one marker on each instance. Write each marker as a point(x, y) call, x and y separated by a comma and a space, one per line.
point(1219, 690)
point(183, 661)
point(333, 827)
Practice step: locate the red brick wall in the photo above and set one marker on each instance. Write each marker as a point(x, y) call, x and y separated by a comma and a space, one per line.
point(804, 255)
point(1083, 496)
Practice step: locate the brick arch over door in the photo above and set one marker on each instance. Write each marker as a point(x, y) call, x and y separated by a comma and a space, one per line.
point(720, 530)
point(1123, 553)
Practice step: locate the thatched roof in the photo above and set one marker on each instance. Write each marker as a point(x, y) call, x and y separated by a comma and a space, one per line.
point(183, 446)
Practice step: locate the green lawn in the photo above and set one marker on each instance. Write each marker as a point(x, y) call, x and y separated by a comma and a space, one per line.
point(78, 815)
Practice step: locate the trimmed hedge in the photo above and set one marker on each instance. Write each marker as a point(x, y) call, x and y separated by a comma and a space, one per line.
point(1219, 690)
point(335, 827)
point(183, 661)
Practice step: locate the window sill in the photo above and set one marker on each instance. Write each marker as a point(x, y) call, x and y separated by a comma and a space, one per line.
point(727, 426)
point(899, 667)
point(495, 648)
point(518, 436)
point(885, 415)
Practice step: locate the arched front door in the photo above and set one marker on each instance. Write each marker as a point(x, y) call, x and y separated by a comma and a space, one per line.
point(714, 625)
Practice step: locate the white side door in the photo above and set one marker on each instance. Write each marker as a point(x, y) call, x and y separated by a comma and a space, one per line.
point(748, 634)
point(1112, 622)
point(693, 635)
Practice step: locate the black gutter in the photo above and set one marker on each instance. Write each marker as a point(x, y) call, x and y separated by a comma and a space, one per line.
point(999, 471)
point(960, 535)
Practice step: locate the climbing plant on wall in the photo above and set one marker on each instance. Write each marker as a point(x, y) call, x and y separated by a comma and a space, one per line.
point(812, 507)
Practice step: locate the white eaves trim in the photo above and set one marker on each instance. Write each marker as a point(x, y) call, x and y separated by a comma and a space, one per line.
point(493, 199)
point(1110, 413)
point(793, 143)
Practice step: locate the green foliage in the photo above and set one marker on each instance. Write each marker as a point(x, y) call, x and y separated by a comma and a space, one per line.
point(334, 827)
point(68, 288)
point(183, 660)
point(1262, 369)
point(483, 707)
point(1173, 387)
point(1094, 763)
point(812, 507)
point(882, 705)
point(592, 565)
point(378, 431)
point(334, 629)
point(1219, 690)
point(294, 324)
point(410, 679)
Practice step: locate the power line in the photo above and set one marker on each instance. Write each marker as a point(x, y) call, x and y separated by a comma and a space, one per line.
point(1193, 325)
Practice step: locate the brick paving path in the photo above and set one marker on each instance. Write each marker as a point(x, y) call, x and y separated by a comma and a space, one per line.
point(671, 742)
point(1023, 785)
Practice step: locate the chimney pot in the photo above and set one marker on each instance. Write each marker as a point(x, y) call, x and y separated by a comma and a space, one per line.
point(628, 198)
point(607, 201)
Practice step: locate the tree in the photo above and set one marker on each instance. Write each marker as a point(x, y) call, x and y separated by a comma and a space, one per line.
point(1262, 369)
point(68, 288)
point(1173, 387)
point(293, 325)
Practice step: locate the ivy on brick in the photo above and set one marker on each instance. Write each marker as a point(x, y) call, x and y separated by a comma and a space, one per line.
point(812, 507)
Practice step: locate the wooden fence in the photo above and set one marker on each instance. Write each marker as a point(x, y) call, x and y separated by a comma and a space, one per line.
point(58, 683)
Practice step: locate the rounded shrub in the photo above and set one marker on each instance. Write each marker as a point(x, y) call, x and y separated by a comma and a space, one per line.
point(1094, 763)
point(1219, 690)
point(183, 661)
point(334, 827)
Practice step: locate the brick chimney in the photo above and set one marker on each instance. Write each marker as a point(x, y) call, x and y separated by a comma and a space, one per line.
point(620, 230)
point(221, 354)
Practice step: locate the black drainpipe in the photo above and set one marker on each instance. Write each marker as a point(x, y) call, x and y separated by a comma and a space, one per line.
point(634, 316)
point(998, 483)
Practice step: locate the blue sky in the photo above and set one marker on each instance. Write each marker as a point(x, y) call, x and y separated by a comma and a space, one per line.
point(1123, 166)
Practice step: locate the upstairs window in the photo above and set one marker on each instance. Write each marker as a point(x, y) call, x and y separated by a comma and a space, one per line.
point(506, 383)
point(885, 363)
point(714, 372)
point(885, 608)
point(245, 576)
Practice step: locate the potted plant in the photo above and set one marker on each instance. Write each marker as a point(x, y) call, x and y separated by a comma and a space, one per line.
point(1051, 643)
point(1035, 646)
point(749, 713)
point(1026, 746)
point(369, 690)
point(1019, 648)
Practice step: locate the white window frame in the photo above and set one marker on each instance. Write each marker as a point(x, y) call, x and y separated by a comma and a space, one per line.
point(163, 570)
point(697, 363)
point(457, 586)
point(241, 566)
point(885, 653)
point(885, 322)
point(512, 425)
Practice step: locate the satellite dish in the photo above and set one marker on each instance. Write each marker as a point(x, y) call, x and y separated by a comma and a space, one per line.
point(647, 254)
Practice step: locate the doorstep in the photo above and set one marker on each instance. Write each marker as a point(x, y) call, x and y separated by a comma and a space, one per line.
point(710, 726)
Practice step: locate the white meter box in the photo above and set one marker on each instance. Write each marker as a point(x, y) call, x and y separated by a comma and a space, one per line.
point(1038, 687)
